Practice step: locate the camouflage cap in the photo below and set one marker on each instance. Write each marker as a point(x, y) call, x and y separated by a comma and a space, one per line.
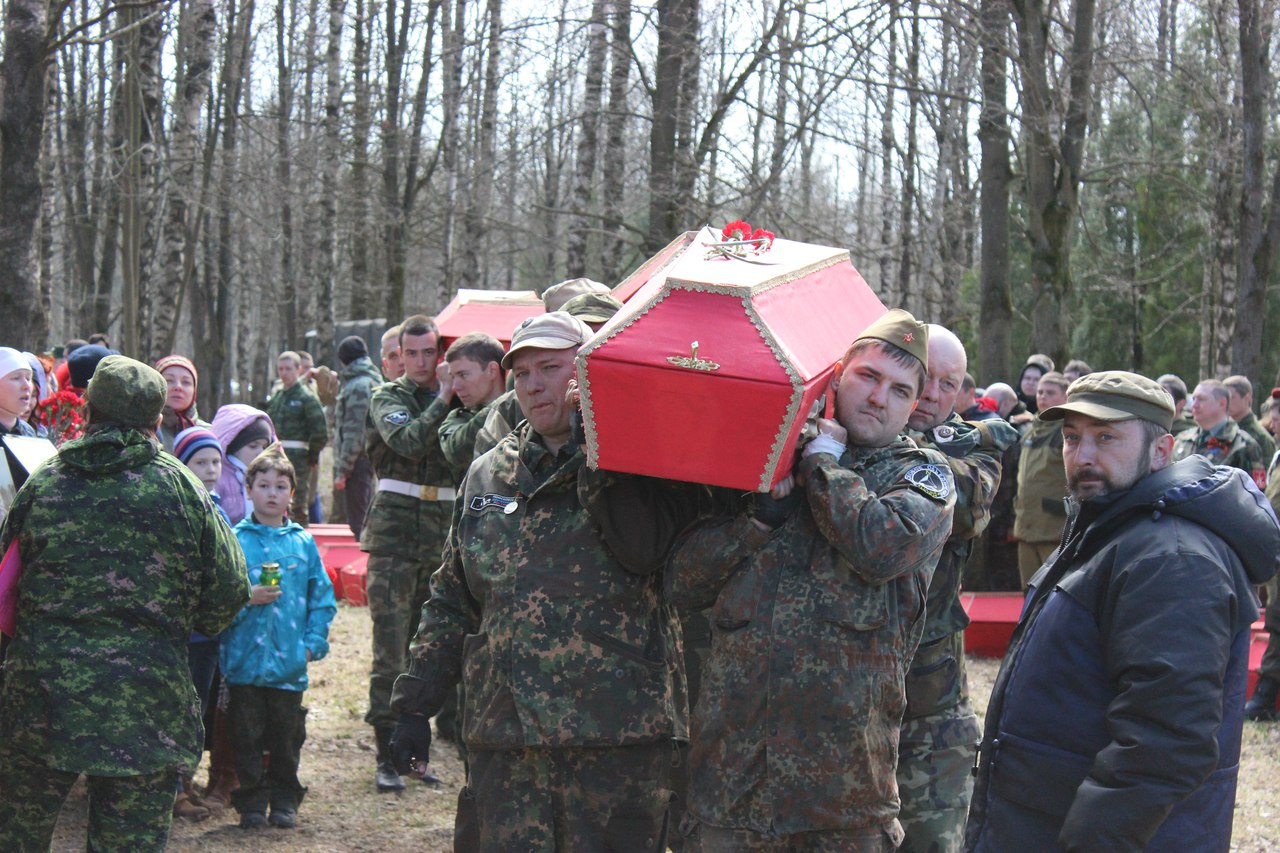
point(1115, 395)
point(593, 307)
point(127, 391)
point(555, 296)
point(904, 331)
point(556, 330)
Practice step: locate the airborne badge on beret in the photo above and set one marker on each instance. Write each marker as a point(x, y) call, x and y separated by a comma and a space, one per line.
point(397, 418)
point(932, 480)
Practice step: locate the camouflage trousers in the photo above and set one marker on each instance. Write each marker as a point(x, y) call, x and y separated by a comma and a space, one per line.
point(264, 719)
point(125, 812)
point(302, 492)
point(702, 838)
point(532, 800)
point(1270, 665)
point(935, 778)
point(397, 588)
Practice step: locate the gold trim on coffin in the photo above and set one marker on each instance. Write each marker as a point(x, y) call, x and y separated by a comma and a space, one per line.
point(746, 294)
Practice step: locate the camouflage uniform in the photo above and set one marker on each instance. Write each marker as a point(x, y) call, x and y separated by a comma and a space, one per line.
point(1232, 447)
point(1250, 424)
point(814, 625)
point(1039, 511)
point(504, 416)
point(458, 438)
point(300, 425)
point(549, 606)
point(123, 556)
point(350, 461)
point(940, 731)
point(404, 535)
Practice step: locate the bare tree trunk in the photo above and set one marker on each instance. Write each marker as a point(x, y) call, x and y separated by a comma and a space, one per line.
point(888, 135)
point(330, 161)
point(177, 244)
point(22, 107)
point(588, 142)
point(612, 168)
point(1053, 155)
point(995, 314)
point(677, 40)
point(363, 299)
point(1257, 238)
point(478, 210)
point(1221, 116)
point(907, 273)
point(284, 175)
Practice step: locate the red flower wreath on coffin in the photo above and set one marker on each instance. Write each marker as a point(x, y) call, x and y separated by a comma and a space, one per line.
point(739, 240)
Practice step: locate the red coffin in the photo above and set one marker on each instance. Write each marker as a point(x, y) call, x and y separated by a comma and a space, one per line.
point(707, 373)
point(494, 312)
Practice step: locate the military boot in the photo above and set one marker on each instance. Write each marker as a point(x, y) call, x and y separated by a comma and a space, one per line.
point(387, 777)
point(1262, 706)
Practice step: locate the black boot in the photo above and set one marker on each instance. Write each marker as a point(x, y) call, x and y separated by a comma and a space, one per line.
point(1263, 704)
point(387, 777)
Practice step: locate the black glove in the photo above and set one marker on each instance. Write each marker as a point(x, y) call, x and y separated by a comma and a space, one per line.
point(410, 743)
point(772, 511)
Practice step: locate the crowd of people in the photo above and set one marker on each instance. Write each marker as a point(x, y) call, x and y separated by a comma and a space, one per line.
point(629, 663)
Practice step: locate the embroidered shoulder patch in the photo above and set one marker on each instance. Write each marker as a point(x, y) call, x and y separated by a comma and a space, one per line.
point(399, 418)
point(483, 503)
point(944, 433)
point(932, 480)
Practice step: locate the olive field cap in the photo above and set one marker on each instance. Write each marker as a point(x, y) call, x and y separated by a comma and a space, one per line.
point(556, 330)
point(592, 307)
point(555, 296)
point(127, 392)
point(1115, 395)
point(904, 331)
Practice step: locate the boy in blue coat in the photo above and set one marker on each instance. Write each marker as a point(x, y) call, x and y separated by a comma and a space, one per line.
point(265, 652)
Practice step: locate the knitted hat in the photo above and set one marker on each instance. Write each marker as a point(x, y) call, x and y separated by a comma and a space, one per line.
point(82, 363)
point(178, 361)
point(904, 331)
point(351, 348)
point(126, 391)
point(11, 360)
point(191, 439)
point(256, 429)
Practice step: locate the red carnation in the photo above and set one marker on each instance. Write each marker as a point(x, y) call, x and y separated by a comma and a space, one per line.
point(765, 238)
point(737, 230)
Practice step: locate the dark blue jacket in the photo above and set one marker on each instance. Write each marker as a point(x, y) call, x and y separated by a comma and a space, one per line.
point(1115, 720)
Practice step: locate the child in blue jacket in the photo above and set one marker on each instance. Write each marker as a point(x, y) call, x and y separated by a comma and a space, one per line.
point(265, 652)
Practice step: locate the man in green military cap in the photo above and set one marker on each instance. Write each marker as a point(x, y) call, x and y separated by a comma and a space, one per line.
point(123, 556)
point(819, 602)
point(408, 520)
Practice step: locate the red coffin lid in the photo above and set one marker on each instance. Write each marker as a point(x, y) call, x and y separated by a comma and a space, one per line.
point(768, 329)
point(652, 267)
point(494, 312)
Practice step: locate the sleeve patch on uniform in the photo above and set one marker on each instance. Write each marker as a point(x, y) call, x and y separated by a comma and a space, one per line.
point(944, 433)
point(398, 418)
point(932, 480)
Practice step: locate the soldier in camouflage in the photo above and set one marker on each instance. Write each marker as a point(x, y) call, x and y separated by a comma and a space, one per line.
point(549, 608)
point(123, 556)
point(408, 521)
point(819, 598)
point(940, 729)
point(473, 374)
point(301, 427)
point(352, 471)
point(1240, 410)
point(1217, 437)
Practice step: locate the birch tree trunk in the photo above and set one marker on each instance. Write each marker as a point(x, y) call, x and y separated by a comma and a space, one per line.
point(995, 310)
point(588, 143)
point(330, 161)
point(480, 202)
point(613, 186)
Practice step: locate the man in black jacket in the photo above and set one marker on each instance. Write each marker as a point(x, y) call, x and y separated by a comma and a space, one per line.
point(1115, 720)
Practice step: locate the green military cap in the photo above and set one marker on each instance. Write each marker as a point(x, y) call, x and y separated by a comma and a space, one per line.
point(555, 297)
point(592, 307)
point(905, 332)
point(127, 392)
point(1116, 395)
point(556, 330)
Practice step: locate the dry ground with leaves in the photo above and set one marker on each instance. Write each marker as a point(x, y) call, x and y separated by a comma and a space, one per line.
point(343, 812)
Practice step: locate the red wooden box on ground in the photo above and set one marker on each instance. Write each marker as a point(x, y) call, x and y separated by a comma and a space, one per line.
point(708, 372)
point(993, 616)
point(353, 581)
point(494, 312)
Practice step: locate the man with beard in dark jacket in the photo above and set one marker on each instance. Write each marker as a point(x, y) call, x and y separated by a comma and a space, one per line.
point(1115, 720)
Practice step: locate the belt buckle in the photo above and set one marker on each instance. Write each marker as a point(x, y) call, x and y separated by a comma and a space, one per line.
point(428, 493)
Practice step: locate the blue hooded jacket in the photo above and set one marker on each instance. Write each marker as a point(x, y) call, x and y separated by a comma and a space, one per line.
point(267, 645)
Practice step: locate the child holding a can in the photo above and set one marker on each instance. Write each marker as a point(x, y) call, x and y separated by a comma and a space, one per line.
point(265, 652)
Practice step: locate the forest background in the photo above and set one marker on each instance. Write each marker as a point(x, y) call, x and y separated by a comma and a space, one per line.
point(1087, 178)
